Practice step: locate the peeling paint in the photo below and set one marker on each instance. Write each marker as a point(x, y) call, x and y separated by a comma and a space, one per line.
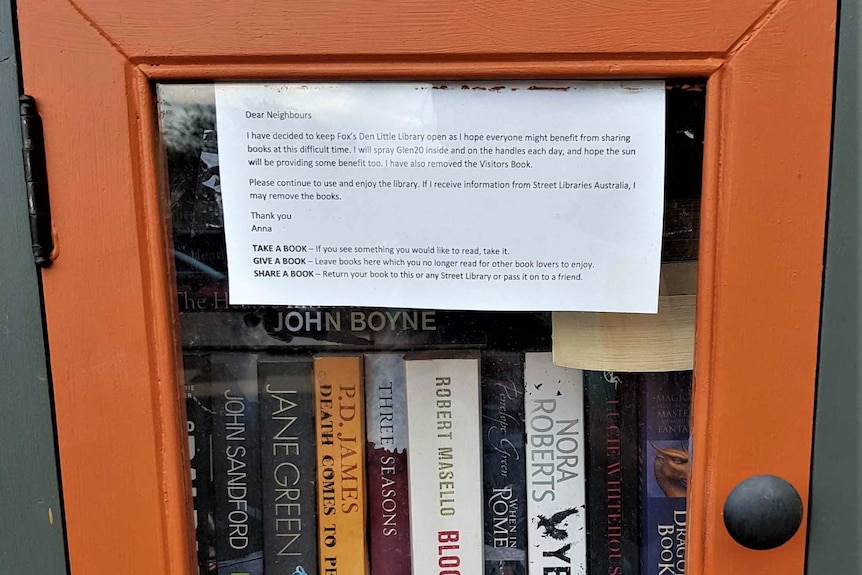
point(687, 87)
point(498, 88)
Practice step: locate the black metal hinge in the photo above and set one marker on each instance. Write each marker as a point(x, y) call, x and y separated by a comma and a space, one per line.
point(36, 175)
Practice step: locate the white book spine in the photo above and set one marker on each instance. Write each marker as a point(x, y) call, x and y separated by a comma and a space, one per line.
point(445, 466)
point(556, 498)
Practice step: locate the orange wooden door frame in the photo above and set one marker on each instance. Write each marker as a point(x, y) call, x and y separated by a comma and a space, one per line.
point(111, 315)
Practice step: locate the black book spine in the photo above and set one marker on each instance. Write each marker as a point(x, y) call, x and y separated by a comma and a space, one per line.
point(287, 445)
point(236, 465)
point(631, 473)
point(503, 466)
point(199, 417)
point(611, 406)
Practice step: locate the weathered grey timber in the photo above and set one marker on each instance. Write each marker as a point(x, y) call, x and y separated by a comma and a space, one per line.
point(834, 543)
point(31, 521)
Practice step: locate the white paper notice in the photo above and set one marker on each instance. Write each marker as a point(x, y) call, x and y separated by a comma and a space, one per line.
point(516, 196)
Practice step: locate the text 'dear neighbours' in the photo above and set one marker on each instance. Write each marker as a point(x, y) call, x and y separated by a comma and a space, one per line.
point(515, 196)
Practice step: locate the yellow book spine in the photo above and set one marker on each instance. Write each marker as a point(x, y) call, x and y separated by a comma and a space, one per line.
point(341, 503)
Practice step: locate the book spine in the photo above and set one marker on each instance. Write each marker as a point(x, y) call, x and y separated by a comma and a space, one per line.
point(236, 463)
point(630, 499)
point(341, 505)
point(665, 406)
point(386, 457)
point(503, 470)
point(612, 472)
point(554, 410)
point(199, 418)
point(445, 465)
point(287, 441)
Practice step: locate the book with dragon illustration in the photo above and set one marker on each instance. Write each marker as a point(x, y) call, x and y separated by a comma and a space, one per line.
point(665, 459)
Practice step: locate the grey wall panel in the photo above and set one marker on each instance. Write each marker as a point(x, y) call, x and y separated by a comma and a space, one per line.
point(834, 544)
point(31, 526)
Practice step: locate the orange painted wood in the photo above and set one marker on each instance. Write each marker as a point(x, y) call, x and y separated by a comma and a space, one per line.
point(648, 66)
point(112, 347)
point(109, 305)
point(208, 31)
point(772, 173)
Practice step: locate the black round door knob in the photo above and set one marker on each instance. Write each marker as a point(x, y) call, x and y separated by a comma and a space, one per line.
point(763, 512)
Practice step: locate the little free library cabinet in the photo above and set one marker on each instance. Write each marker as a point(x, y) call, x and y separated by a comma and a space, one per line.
point(155, 374)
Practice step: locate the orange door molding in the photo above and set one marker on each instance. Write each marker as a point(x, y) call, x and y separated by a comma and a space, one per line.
point(91, 65)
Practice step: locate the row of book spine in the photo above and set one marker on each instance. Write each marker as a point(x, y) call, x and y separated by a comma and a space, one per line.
point(637, 471)
point(442, 464)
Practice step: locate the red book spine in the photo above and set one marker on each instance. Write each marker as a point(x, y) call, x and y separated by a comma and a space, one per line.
point(386, 457)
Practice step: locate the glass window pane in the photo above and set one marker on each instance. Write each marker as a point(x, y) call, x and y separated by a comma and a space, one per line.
point(392, 440)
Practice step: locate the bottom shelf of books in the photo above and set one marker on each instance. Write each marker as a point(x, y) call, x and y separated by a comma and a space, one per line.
point(444, 461)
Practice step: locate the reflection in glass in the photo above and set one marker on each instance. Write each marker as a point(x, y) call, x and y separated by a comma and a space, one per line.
point(348, 438)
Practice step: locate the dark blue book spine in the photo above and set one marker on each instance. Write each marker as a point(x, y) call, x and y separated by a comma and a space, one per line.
point(665, 410)
point(503, 468)
point(236, 464)
point(287, 445)
point(613, 491)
